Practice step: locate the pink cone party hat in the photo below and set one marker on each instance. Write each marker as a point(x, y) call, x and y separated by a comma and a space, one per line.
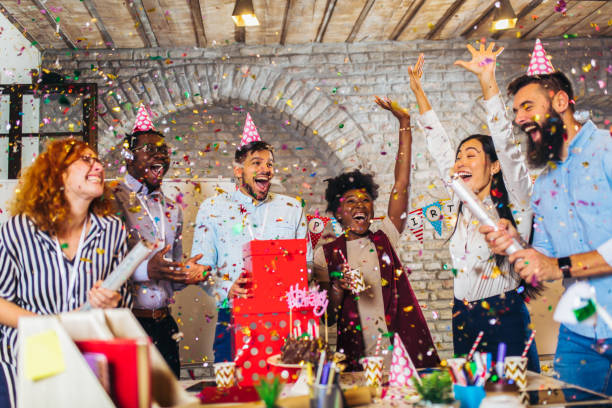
point(539, 64)
point(143, 120)
point(250, 133)
point(402, 367)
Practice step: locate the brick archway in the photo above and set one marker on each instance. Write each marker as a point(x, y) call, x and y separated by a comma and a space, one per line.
point(186, 87)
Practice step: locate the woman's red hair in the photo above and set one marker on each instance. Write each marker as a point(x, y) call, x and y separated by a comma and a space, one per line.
point(40, 192)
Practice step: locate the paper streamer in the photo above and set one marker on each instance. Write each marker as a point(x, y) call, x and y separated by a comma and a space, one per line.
point(433, 214)
point(415, 223)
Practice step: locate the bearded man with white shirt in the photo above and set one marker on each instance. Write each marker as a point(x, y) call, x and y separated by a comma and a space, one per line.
point(226, 222)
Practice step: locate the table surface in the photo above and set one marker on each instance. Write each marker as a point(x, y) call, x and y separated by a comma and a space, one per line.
point(543, 391)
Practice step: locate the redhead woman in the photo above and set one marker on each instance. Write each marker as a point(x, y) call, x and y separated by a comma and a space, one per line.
point(488, 292)
point(58, 246)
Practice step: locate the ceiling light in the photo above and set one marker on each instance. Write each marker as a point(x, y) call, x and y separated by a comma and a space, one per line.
point(504, 17)
point(244, 14)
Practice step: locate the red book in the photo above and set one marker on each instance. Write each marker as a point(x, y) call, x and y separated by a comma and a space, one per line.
point(129, 369)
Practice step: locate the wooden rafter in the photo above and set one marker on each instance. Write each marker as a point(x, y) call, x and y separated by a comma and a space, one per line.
point(479, 20)
point(47, 13)
point(448, 14)
point(283, 36)
point(21, 28)
point(362, 16)
point(138, 13)
point(544, 23)
point(412, 11)
point(93, 12)
point(586, 18)
point(198, 22)
point(522, 14)
point(329, 10)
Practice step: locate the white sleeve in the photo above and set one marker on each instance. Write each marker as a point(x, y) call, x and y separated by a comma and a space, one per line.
point(512, 162)
point(438, 144)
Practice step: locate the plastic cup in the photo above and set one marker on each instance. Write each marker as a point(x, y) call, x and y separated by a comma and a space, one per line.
point(469, 396)
point(516, 370)
point(225, 374)
point(356, 281)
point(323, 399)
point(373, 367)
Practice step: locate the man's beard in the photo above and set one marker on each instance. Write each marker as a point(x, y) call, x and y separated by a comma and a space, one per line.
point(252, 193)
point(550, 145)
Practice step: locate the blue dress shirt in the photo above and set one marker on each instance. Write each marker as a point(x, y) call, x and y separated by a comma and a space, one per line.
point(572, 201)
point(226, 222)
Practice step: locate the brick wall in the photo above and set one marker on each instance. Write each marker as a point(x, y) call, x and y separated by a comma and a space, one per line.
point(315, 104)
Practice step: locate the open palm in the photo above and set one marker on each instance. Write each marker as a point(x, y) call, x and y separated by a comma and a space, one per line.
point(483, 59)
point(393, 107)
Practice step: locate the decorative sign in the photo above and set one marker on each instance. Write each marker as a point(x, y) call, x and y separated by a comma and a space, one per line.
point(433, 213)
point(301, 298)
point(415, 223)
point(316, 225)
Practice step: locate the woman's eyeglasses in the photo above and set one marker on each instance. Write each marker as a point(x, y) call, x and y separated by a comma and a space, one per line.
point(90, 160)
point(153, 148)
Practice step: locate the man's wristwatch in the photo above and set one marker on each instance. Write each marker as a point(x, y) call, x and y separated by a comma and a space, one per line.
point(565, 264)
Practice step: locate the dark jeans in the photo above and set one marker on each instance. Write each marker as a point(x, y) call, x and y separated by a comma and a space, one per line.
point(584, 361)
point(224, 339)
point(510, 320)
point(4, 391)
point(161, 332)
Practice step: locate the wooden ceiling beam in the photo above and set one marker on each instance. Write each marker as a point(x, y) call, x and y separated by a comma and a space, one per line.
point(362, 16)
point(329, 10)
point(590, 16)
point(544, 23)
point(198, 23)
point(47, 13)
point(138, 13)
point(19, 27)
point(284, 26)
point(479, 20)
point(408, 16)
point(448, 14)
point(93, 12)
point(522, 14)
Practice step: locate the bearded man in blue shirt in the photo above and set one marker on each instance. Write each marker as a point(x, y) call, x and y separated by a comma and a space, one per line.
point(229, 220)
point(572, 202)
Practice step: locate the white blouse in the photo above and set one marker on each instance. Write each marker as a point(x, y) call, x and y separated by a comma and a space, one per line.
point(477, 276)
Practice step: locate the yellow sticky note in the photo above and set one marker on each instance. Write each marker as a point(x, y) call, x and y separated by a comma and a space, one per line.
point(43, 356)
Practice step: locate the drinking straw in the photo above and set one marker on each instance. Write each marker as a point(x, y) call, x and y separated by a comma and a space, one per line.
point(501, 357)
point(325, 374)
point(476, 342)
point(378, 344)
point(330, 380)
point(320, 367)
point(533, 332)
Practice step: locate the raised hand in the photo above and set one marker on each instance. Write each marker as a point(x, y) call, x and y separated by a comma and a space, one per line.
point(416, 73)
point(483, 60)
point(402, 114)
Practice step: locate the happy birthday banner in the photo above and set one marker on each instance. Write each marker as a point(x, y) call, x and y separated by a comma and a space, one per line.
point(438, 213)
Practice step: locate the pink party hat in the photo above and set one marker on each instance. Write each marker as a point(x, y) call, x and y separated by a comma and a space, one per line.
point(539, 64)
point(402, 367)
point(250, 133)
point(143, 121)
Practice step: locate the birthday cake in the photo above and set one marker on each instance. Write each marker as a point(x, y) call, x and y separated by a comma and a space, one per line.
point(296, 350)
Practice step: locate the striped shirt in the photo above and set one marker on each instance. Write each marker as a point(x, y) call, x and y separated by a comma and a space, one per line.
point(32, 278)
